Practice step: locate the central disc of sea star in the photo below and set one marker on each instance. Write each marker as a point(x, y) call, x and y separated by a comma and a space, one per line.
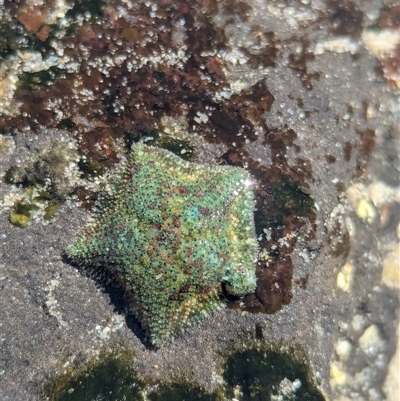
point(171, 233)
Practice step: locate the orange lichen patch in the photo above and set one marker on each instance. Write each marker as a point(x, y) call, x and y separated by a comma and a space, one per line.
point(32, 21)
point(214, 67)
point(44, 32)
point(391, 68)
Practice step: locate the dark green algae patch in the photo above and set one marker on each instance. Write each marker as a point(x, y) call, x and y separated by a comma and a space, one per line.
point(24, 210)
point(180, 147)
point(109, 378)
point(264, 371)
point(112, 378)
point(45, 182)
point(22, 213)
point(292, 198)
point(253, 370)
point(182, 391)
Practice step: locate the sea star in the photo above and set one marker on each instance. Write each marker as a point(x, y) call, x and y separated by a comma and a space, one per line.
point(172, 234)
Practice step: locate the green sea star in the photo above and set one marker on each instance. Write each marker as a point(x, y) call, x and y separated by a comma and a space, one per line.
point(171, 233)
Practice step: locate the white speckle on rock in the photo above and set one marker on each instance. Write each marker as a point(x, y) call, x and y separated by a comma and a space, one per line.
point(359, 323)
point(343, 349)
point(52, 303)
point(338, 45)
point(371, 341)
point(345, 277)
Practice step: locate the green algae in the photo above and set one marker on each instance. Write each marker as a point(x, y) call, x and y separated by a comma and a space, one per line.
point(290, 198)
point(50, 171)
point(24, 210)
point(264, 371)
point(30, 81)
point(13, 175)
point(22, 213)
point(107, 381)
point(254, 369)
point(182, 391)
point(51, 210)
point(43, 196)
point(47, 179)
point(91, 168)
point(66, 123)
point(110, 378)
point(180, 147)
point(8, 38)
point(94, 7)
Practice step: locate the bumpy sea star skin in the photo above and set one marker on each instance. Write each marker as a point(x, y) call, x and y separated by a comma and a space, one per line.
point(171, 233)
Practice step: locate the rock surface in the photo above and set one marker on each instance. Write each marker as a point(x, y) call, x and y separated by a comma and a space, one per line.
point(287, 91)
